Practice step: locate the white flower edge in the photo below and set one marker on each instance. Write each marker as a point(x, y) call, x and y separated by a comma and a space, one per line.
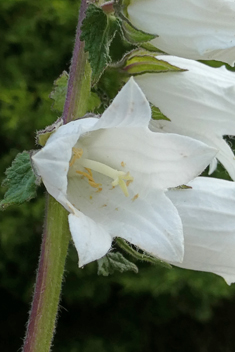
point(122, 134)
point(207, 212)
point(202, 104)
point(200, 30)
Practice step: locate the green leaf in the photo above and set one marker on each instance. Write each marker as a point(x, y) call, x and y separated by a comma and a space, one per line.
point(157, 114)
point(98, 31)
point(115, 262)
point(140, 255)
point(59, 92)
point(20, 180)
point(93, 102)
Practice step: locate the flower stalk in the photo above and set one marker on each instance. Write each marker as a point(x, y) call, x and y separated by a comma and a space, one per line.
point(41, 325)
point(79, 84)
point(56, 235)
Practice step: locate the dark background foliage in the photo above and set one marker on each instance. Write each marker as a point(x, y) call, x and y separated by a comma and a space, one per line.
point(156, 310)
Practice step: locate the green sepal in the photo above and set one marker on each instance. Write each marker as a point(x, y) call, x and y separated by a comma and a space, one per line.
point(181, 187)
point(140, 255)
point(43, 135)
point(58, 94)
point(20, 180)
point(150, 47)
point(98, 31)
point(134, 35)
point(121, 7)
point(115, 262)
point(157, 114)
point(142, 61)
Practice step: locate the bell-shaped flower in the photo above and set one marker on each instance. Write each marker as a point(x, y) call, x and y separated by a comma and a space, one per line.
point(207, 212)
point(200, 30)
point(200, 103)
point(111, 172)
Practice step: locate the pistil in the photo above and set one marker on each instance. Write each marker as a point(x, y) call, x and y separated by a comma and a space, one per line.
point(119, 177)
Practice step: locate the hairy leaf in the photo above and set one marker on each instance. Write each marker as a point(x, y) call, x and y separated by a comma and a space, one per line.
point(20, 180)
point(59, 92)
point(98, 31)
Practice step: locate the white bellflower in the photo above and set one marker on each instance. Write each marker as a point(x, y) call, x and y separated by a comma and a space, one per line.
point(200, 30)
point(200, 103)
point(207, 212)
point(111, 175)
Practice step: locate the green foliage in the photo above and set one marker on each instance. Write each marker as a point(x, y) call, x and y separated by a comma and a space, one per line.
point(157, 114)
point(115, 262)
point(140, 255)
point(130, 32)
point(59, 92)
point(134, 35)
point(142, 61)
point(20, 180)
point(43, 135)
point(98, 31)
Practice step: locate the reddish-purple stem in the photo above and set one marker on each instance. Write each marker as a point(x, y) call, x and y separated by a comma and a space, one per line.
point(74, 74)
point(44, 261)
point(37, 298)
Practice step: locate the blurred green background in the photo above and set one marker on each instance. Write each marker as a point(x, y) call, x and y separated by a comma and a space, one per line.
point(156, 310)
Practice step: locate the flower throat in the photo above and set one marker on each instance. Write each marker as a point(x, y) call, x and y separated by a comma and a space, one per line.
point(119, 177)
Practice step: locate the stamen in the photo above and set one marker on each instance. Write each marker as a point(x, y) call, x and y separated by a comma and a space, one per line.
point(128, 182)
point(117, 176)
point(90, 178)
point(77, 154)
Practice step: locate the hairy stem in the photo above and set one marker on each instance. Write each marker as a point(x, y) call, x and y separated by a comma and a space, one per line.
point(44, 309)
point(43, 314)
point(79, 84)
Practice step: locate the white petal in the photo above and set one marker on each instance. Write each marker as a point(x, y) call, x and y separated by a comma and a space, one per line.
point(129, 109)
point(155, 160)
point(202, 104)
point(225, 155)
point(202, 29)
point(207, 212)
point(72, 130)
point(225, 55)
point(91, 240)
point(152, 224)
point(52, 161)
point(213, 166)
point(202, 94)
